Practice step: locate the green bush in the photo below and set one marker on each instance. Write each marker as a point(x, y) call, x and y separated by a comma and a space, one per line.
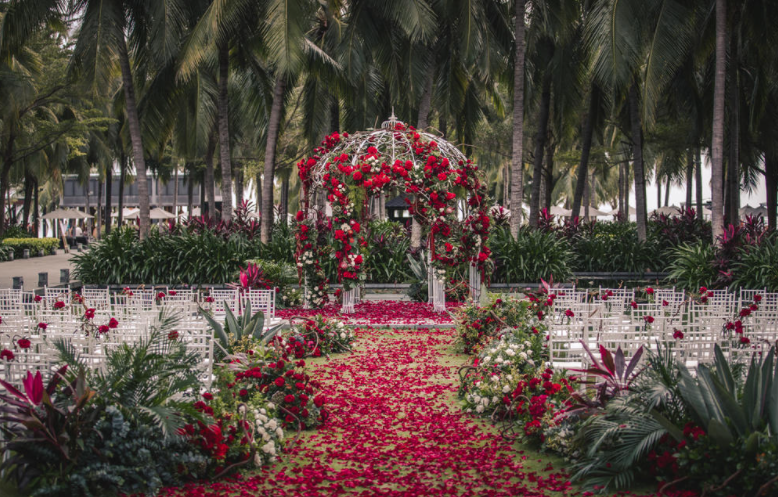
point(757, 266)
point(387, 247)
point(48, 245)
point(613, 247)
point(530, 257)
point(191, 259)
point(16, 231)
point(5, 253)
point(691, 266)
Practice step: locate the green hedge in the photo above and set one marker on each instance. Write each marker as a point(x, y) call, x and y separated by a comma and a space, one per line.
point(49, 245)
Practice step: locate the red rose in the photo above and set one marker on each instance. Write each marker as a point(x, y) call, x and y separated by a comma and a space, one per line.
point(744, 340)
point(113, 323)
point(677, 334)
point(634, 304)
point(650, 291)
point(173, 335)
point(745, 312)
point(160, 295)
point(208, 396)
point(318, 401)
point(703, 290)
point(648, 319)
point(59, 304)
point(103, 329)
point(569, 313)
point(357, 175)
point(289, 399)
point(23, 343)
point(442, 177)
point(356, 227)
point(7, 355)
point(89, 314)
point(243, 392)
point(279, 381)
point(173, 292)
point(757, 298)
point(38, 298)
point(299, 216)
point(42, 326)
point(209, 299)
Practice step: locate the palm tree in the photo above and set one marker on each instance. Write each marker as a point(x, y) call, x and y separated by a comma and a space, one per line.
point(717, 141)
point(517, 158)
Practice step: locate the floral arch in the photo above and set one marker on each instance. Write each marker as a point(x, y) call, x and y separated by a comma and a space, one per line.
point(351, 169)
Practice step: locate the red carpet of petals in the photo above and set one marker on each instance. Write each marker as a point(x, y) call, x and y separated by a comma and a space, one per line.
point(380, 312)
point(394, 430)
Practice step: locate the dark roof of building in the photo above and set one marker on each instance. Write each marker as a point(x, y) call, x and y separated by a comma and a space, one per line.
point(398, 202)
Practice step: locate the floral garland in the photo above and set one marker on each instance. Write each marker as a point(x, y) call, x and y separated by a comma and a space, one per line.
point(350, 182)
point(308, 266)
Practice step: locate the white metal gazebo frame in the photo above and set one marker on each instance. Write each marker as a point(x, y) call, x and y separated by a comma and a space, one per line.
point(396, 142)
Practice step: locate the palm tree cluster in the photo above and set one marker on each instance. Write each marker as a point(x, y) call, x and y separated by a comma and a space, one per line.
point(568, 101)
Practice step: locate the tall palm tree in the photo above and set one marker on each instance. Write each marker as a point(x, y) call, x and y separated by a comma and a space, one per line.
point(717, 140)
point(517, 157)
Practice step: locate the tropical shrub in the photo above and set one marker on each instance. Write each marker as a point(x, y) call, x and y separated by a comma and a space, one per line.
point(387, 246)
point(686, 228)
point(192, 259)
point(692, 266)
point(16, 231)
point(6, 253)
point(420, 281)
point(236, 333)
point(35, 245)
point(532, 256)
point(757, 266)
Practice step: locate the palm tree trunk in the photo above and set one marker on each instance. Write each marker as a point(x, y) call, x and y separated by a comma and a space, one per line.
point(689, 177)
point(426, 97)
point(210, 187)
point(771, 185)
point(587, 197)
point(137, 141)
point(224, 132)
point(27, 198)
point(586, 146)
point(99, 213)
point(540, 143)
point(622, 208)
point(284, 208)
point(627, 188)
point(548, 176)
point(637, 160)
point(732, 202)
point(35, 208)
point(517, 158)
point(698, 183)
point(122, 170)
point(189, 191)
point(108, 193)
point(5, 176)
point(443, 124)
point(274, 127)
point(667, 193)
point(258, 181)
point(175, 192)
point(238, 173)
point(717, 141)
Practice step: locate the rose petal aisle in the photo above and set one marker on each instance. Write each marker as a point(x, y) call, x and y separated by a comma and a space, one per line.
point(380, 312)
point(394, 429)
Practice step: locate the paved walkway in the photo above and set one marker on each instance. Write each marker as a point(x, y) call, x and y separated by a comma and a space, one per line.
point(29, 269)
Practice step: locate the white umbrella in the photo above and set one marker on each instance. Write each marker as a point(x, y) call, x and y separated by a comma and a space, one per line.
point(631, 212)
point(126, 212)
point(593, 212)
point(155, 213)
point(668, 210)
point(559, 211)
point(67, 214)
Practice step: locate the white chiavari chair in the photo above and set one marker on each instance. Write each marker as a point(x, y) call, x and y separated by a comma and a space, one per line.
point(261, 300)
point(96, 298)
point(224, 299)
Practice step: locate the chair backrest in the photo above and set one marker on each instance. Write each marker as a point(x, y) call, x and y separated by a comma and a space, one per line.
point(261, 300)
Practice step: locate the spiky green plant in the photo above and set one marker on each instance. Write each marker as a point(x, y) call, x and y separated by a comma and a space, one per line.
point(237, 329)
point(692, 266)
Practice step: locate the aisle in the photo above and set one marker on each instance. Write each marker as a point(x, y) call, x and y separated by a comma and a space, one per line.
point(394, 429)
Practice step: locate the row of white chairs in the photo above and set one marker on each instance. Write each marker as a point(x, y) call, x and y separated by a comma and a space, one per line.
point(688, 327)
point(39, 323)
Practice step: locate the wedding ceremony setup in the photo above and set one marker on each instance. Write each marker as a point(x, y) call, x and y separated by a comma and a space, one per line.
point(388, 248)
